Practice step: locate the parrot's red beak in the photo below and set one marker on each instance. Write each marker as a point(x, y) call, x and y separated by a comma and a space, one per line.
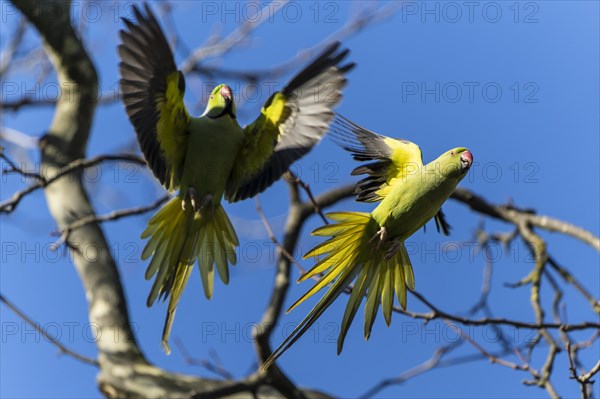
point(466, 160)
point(226, 92)
point(227, 95)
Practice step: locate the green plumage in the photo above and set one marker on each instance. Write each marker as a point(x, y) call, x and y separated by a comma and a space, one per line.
point(369, 247)
point(212, 156)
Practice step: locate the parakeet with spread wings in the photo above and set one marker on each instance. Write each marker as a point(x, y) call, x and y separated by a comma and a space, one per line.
point(212, 156)
point(368, 248)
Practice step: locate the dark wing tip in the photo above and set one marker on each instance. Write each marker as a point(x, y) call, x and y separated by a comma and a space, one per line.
point(148, 10)
point(328, 58)
point(347, 68)
point(364, 144)
point(138, 14)
point(332, 46)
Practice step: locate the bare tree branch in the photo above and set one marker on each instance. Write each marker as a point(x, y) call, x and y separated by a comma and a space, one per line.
point(114, 215)
point(53, 173)
point(63, 349)
point(272, 237)
point(12, 47)
point(218, 47)
point(516, 216)
point(541, 378)
point(493, 359)
point(297, 216)
point(311, 197)
point(584, 379)
point(123, 369)
point(28, 102)
point(422, 368)
point(280, 288)
point(124, 372)
point(436, 313)
point(204, 363)
point(569, 278)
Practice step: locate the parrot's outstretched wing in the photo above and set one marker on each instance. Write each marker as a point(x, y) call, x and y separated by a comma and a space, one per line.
point(152, 90)
point(291, 122)
point(394, 159)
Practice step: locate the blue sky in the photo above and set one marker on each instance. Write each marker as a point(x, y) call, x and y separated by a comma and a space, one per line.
point(515, 82)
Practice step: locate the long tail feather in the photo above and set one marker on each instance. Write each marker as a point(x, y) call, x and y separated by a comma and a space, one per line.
point(336, 289)
point(179, 239)
point(358, 292)
point(351, 253)
point(373, 299)
point(387, 291)
point(341, 266)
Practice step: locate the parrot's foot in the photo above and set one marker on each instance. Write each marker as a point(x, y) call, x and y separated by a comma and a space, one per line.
point(198, 204)
point(381, 234)
point(206, 204)
point(191, 196)
point(393, 249)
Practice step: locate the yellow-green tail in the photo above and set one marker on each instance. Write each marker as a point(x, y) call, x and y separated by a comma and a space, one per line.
point(352, 253)
point(178, 239)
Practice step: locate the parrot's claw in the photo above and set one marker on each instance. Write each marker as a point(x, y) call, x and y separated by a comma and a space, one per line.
point(382, 235)
point(393, 249)
point(199, 204)
point(192, 196)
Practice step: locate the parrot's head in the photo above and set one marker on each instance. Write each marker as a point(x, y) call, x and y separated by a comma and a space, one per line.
point(220, 102)
point(455, 163)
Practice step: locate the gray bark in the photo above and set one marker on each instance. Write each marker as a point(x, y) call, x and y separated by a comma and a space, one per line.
point(124, 372)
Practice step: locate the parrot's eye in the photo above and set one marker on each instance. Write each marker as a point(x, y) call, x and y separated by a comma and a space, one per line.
point(451, 153)
point(212, 96)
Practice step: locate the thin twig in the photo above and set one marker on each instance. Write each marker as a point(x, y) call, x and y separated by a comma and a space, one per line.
point(275, 307)
point(422, 368)
point(63, 349)
point(114, 215)
point(10, 204)
point(272, 237)
point(226, 44)
point(14, 168)
point(12, 47)
point(204, 363)
point(514, 215)
point(538, 248)
point(311, 198)
point(584, 380)
point(443, 362)
point(36, 101)
point(570, 279)
point(436, 313)
point(493, 359)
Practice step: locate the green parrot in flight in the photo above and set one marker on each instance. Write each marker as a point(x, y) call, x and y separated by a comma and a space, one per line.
point(212, 156)
point(368, 248)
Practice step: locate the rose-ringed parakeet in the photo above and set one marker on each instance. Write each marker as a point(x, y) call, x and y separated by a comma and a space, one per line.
point(368, 248)
point(212, 156)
